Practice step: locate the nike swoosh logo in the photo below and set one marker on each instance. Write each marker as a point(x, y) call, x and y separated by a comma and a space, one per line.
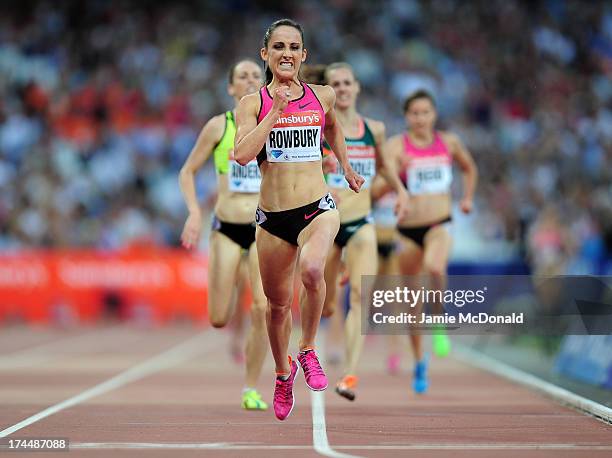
point(307, 217)
point(305, 105)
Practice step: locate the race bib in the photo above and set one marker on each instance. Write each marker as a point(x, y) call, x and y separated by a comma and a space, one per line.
point(296, 137)
point(327, 202)
point(260, 216)
point(383, 211)
point(366, 167)
point(429, 176)
point(244, 178)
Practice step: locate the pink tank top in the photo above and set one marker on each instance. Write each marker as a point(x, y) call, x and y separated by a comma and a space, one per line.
point(429, 169)
point(298, 133)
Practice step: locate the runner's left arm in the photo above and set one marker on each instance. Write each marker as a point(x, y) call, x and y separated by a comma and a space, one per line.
point(335, 137)
point(386, 166)
point(468, 168)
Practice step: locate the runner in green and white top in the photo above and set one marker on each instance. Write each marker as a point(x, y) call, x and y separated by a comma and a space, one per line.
point(357, 237)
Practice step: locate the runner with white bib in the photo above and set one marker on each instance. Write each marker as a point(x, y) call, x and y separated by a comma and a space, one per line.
point(297, 219)
point(424, 157)
point(241, 178)
point(233, 230)
point(357, 237)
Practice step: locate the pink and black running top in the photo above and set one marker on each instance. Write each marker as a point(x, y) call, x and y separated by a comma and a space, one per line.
point(298, 133)
point(429, 168)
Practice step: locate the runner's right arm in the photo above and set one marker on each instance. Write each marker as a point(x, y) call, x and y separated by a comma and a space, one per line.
point(393, 164)
point(209, 136)
point(250, 136)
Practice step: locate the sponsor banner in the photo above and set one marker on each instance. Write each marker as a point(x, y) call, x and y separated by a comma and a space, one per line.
point(168, 283)
point(488, 304)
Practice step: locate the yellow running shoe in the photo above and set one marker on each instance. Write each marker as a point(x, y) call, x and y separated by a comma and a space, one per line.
point(251, 400)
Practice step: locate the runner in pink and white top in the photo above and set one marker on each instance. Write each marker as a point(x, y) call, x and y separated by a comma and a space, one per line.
point(298, 133)
point(425, 157)
point(296, 218)
point(365, 138)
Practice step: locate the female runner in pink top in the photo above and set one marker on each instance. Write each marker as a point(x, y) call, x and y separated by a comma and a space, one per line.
point(283, 126)
point(424, 157)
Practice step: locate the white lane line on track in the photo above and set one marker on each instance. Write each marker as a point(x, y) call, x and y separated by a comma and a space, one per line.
point(319, 428)
point(561, 395)
point(175, 355)
point(42, 352)
point(259, 446)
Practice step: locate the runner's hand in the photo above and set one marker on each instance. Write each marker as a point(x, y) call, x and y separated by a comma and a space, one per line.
point(280, 98)
point(402, 206)
point(192, 230)
point(354, 180)
point(466, 205)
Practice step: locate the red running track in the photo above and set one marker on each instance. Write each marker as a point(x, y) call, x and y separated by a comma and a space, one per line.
point(122, 391)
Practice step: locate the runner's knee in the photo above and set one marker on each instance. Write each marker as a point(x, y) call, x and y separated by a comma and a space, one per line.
point(312, 275)
point(279, 311)
point(330, 300)
point(217, 320)
point(435, 270)
point(258, 310)
point(355, 296)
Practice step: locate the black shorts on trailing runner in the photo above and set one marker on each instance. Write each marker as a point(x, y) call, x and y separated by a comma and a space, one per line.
point(241, 234)
point(417, 234)
point(385, 249)
point(347, 230)
point(288, 224)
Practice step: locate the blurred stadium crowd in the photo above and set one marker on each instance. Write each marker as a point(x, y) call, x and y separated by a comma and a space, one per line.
point(100, 103)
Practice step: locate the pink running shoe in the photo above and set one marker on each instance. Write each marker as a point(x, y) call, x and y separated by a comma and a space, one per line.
point(393, 364)
point(313, 373)
point(283, 393)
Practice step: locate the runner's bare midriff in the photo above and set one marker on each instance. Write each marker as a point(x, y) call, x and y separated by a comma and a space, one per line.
point(286, 186)
point(234, 207)
point(352, 205)
point(426, 209)
point(385, 234)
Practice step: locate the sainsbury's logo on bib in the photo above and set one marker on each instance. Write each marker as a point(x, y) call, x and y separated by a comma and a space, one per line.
point(301, 118)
